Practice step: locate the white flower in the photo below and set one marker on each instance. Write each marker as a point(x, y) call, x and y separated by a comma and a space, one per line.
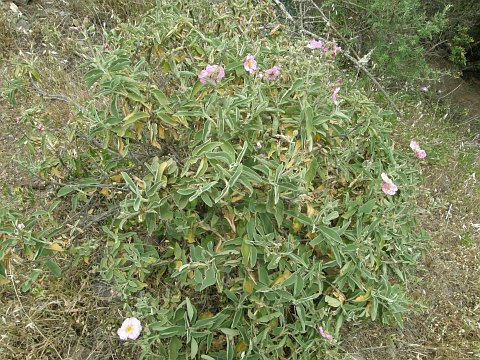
point(130, 329)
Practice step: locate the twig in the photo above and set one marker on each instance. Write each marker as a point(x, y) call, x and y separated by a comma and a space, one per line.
point(46, 95)
point(284, 10)
point(449, 212)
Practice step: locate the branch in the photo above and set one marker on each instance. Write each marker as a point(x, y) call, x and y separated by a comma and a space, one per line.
point(284, 10)
point(45, 95)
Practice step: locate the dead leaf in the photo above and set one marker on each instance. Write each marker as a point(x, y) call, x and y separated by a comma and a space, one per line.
point(55, 247)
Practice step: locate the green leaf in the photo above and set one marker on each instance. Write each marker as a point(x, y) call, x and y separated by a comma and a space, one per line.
point(65, 190)
point(311, 173)
point(134, 117)
point(279, 213)
point(196, 88)
point(54, 268)
point(329, 233)
point(193, 348)
point(174, 348)
point(235, 175)
point(130, 183)
point(245, 250)
point(164, 332)
point(231, 332)
point(332, 301)
point(190, 309)
point(367, 207)
point(210, 278)
point(160, 97)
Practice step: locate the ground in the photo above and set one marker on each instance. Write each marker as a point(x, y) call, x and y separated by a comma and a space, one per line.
point(75, 317)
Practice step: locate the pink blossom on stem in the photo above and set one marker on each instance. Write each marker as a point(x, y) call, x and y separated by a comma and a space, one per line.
point(421, 154)
point(40, 127)
point(324, 333)
point(314, 44)
point(211, 74)
point(250, 64)
point(130, 329)
point(272, 73)
point(334, 95)
point(388, 186)
point(414, 145)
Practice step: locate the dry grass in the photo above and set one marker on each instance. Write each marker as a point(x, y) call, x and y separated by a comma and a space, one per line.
point(74, 318)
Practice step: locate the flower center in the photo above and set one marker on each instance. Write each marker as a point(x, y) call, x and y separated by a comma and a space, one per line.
point(250, 63)
point(129, 328)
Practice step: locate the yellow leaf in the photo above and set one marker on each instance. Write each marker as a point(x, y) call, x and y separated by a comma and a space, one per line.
point(138, 128)
point(205, 315)
point(363, 297)
point(237, 198)
point(296, 226)
point(120, 146)
point(161, 132)
point(156, 143)
point(55, 247)
point(178, 263)
point(56, 172)
point(86, 259)
point(230, 216)
point(286, 274)
point(140, 182)
point(339, 295)
point(105, 192)
point(116, 178)
point(240, 347)
point(248, 285)
point(190, 237)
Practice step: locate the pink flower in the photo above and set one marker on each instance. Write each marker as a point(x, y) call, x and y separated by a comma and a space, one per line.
point(250, 64)
point(336, 49)
point(414, 145)
point(272, 73)
point(324, 333)
point(211, 74)
point(334, 95)
point(388, 185)
point(421, 154)
point(314, 44)
point(130, 329)
point(40, 127)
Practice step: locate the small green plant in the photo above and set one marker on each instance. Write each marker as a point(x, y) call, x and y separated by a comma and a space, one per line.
point(459, 43)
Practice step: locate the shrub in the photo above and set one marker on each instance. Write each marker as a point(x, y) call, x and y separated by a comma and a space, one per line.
point(394, 33)
point(238, 216)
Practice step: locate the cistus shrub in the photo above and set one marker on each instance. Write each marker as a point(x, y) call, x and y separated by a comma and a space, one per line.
point(245, 216)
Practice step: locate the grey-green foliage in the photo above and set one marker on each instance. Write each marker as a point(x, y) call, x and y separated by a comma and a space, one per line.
point(250, 212)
